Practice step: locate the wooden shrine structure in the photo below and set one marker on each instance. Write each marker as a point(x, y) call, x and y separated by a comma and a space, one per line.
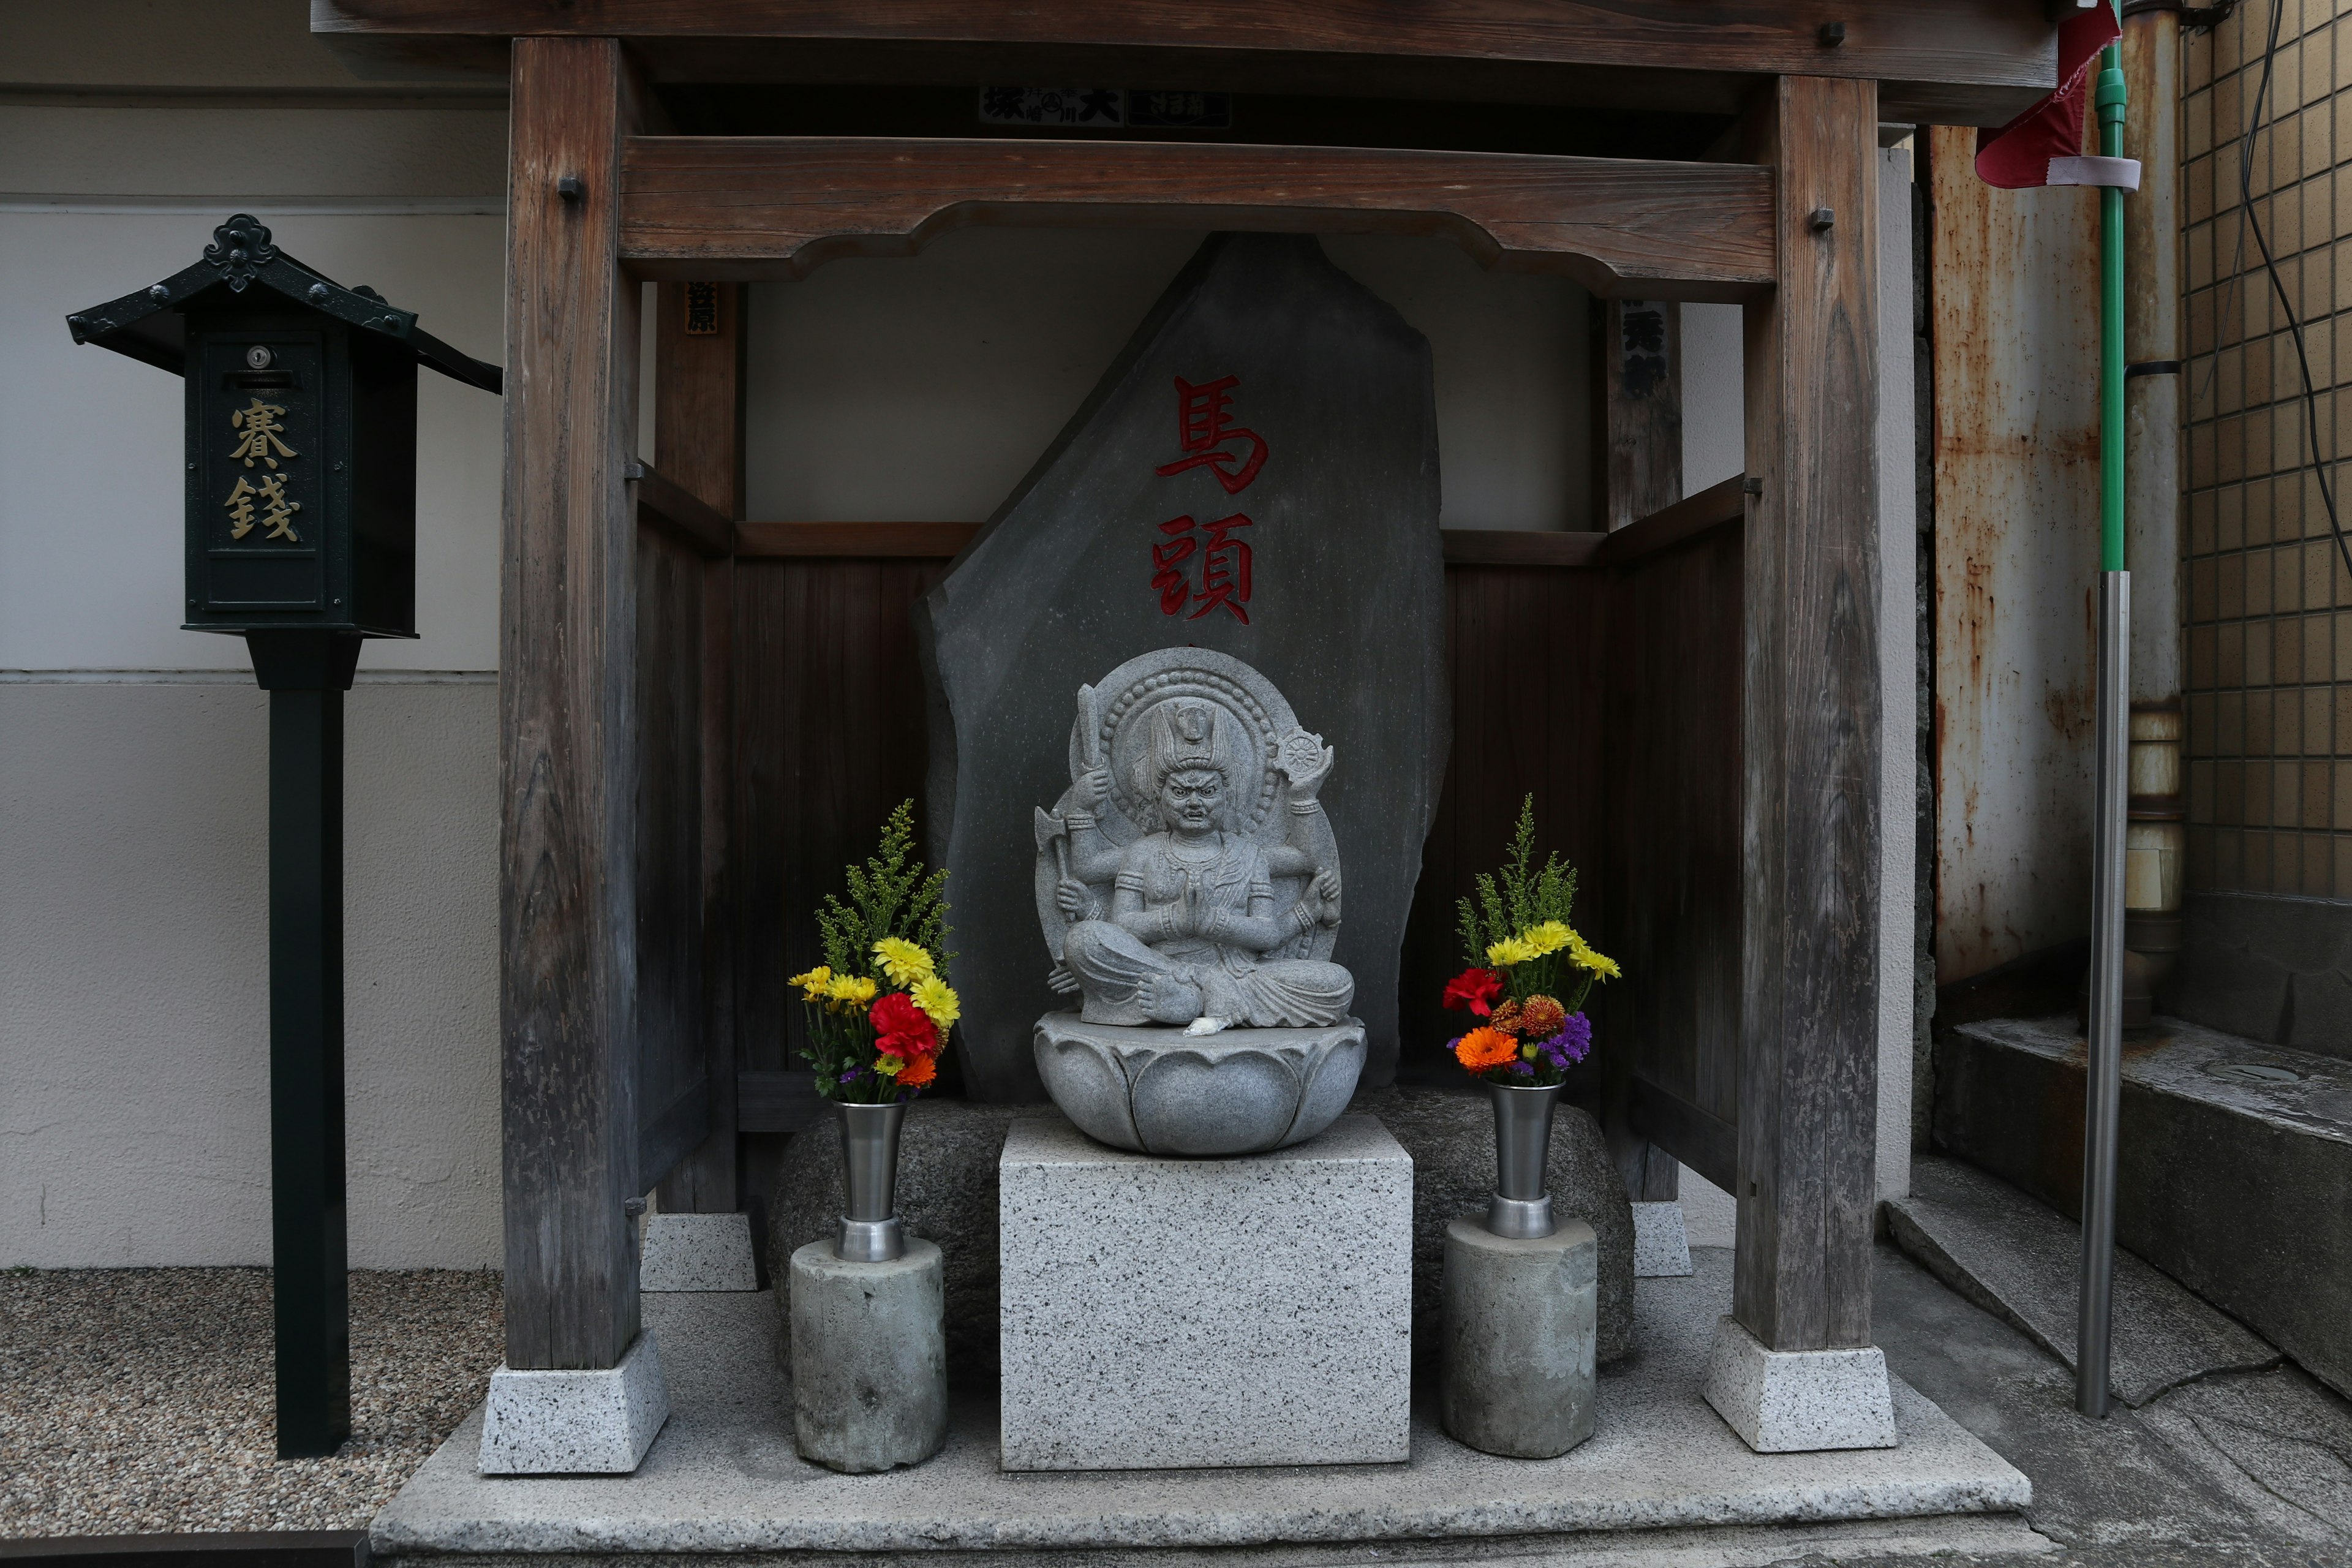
point(678, 779)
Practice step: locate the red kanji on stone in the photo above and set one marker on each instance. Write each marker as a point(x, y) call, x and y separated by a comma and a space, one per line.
point(1206, 431)
point(1224, 567)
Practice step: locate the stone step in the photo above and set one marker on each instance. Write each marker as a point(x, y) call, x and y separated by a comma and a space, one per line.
point(2235, 1170)
point(2019, 1259)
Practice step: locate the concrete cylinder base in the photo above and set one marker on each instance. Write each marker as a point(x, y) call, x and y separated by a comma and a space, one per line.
point(1516, 1368)
point(869, 1358)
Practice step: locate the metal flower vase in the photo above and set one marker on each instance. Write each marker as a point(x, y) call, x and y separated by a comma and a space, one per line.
point(870, 1232)
point(1522, 1208)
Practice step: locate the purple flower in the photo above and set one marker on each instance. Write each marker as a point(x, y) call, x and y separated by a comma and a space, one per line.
point(1571, 1045)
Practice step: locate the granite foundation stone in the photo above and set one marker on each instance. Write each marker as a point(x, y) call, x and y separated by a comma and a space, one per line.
point(947, 1194)
point(697, 1252)
point(1167, 1313)
point(594, 1422)
point(1661, 1244)
point(1450, 1133)
point(1798, 1402)
point(1516, 1369)
point(870, 1392)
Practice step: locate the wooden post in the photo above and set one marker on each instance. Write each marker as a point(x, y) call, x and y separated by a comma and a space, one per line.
point(1810, 734)
point(567, 904)
point(698, 406)
point(1642, 386)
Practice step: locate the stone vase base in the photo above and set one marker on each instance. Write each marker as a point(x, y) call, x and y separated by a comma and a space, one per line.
point(1798, 1402)
point(1515, 1373)
point(869, 1358)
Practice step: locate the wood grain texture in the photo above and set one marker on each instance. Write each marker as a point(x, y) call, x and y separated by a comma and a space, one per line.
point(568, 699)
point(810, 541)
point(684, 517)
point(1520, 547)
point(1973, 58)
point(1810, 739)
point(761, 207)
point(1721, 502)
point(777, 1101)
point(1672, 731)
point(1641, 401)
point(672, 1071)
point(699, 409)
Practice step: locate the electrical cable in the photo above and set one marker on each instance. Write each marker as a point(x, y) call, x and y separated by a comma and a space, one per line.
point(2278, 286)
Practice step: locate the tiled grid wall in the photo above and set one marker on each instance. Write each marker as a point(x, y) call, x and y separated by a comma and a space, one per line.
point(2269, 654)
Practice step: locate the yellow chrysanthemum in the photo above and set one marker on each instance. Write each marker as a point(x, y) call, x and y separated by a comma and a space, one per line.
point(903, 961)
point(1511, 949)
point(937, 999)
point(1583, 957)
point(846, 991)
point(1549, 937)
point(814, 983)
point(888, 1064)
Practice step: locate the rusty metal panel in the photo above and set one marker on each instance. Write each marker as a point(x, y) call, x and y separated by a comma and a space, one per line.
point(2015, 305)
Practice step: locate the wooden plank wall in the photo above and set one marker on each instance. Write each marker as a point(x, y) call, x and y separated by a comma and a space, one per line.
point(829, 734)
point(1672, 846)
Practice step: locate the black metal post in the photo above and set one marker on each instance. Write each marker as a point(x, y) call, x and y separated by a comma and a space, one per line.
point(306, 674)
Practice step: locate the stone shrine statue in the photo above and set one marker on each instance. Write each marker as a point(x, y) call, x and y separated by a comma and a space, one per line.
point(1187, 883)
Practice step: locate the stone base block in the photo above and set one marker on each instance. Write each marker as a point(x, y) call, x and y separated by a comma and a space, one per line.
point(1798, 1402)
point(1661, 1244)
point(869, 1358)
point(1516, 1370)
point(1165, 1313)
point(575, 1423)
point(697, 1252)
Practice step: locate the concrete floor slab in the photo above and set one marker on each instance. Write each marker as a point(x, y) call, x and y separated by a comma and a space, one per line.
point(723, 1477)
point(2020, 1260)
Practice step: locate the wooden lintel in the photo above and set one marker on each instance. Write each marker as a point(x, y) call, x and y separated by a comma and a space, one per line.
point(1952, 61)
point(1707, 1144)
point(742, 207)
point(680, 514)
point(1668, 526)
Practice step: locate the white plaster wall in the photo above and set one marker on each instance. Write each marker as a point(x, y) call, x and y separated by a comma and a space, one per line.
point(134, 1108)
point(922, 388)
point(1898, 620)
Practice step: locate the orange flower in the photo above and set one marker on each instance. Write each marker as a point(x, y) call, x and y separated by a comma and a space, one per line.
point(1478, 1050)
point(1540, 1017)
point(918, 1071)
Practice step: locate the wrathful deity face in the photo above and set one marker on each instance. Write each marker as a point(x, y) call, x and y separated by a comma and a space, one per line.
point(1190, 800)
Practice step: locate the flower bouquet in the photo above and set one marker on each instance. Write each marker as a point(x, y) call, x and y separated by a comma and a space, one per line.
point(878, 1008)
point(1529, 970)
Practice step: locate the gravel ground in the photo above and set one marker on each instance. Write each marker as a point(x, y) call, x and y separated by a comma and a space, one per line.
point(140, 1399)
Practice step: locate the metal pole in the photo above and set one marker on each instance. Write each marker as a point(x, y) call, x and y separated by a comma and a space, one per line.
point(305, 674)
point(2104, 1067)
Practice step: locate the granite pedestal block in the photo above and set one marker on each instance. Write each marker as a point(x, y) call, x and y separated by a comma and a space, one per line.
point(1516, 1368)
point(1798, 1402)
point(697, 1252)
point(1661, 1244)
point(869, 1358)
point(597, 1421)
point(1163, 1313)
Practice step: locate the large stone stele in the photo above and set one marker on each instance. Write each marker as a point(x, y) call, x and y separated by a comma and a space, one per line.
point(1319, 456)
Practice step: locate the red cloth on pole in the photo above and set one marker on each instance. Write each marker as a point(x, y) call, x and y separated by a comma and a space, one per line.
point(2016, 156)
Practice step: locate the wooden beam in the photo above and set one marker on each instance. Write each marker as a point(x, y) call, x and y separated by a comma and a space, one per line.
point(1973, 61)
point(1641, 400)
point(699, 348)
point(1520, 547)
point(1723, 501)
point(1810, 736)
point(567, 897)
point(867, 540)
point(679, 512)
point(1707, 1144)
point(713, 206)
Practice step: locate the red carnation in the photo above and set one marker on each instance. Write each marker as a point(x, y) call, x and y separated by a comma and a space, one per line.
point(900, 1027)
point(1475, 990)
